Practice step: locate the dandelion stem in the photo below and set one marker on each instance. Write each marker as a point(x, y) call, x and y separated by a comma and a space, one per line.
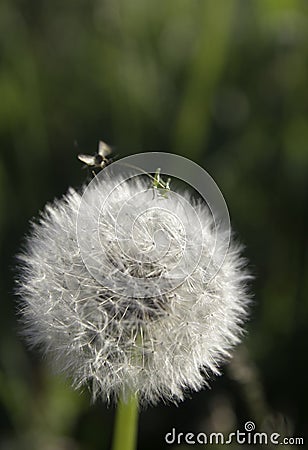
point(126, 421)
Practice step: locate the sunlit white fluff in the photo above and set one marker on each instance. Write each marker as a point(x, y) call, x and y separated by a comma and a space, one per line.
point(97, 332)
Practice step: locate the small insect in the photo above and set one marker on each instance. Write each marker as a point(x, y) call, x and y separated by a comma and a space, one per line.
point(99, 160)
point(158, 183)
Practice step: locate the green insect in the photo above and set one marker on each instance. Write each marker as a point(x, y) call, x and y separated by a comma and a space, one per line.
point(158, 183)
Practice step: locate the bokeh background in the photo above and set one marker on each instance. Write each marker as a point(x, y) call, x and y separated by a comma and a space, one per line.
point(221, 82)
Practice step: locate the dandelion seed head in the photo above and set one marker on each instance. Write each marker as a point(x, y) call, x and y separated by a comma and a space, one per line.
point(126, 290)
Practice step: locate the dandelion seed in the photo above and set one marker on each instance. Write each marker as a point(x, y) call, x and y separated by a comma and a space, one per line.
point(122, 291)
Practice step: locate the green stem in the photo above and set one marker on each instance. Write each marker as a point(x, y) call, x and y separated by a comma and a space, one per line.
point(126, 421)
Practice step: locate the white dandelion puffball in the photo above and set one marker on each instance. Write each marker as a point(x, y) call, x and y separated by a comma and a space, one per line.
point(126, 288)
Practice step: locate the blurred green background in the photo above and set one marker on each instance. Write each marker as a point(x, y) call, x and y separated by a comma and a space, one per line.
point(223, 82)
